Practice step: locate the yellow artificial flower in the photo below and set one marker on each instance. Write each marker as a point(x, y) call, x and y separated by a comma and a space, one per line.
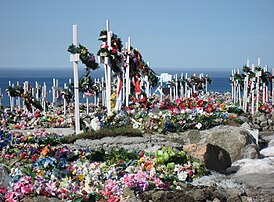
point(223, 105)
point(81, 177)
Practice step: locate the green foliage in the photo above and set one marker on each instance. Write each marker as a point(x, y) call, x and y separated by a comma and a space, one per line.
point(86, 57)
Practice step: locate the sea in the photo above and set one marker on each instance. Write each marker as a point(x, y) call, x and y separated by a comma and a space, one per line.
point(220, 80)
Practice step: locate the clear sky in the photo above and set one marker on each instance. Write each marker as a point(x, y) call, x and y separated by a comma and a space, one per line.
point(183, 34)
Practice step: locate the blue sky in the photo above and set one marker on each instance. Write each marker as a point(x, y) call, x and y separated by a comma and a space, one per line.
point(178, 34)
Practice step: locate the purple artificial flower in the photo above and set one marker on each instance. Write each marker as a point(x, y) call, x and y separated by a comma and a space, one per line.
point(92, 58)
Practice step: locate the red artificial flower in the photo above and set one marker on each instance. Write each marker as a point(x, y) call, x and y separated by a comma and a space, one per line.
point(144, 99)
point(34, 157)
point(3, 190)
point(200, 102)
point(178, 101)
point(142, 153)
point(23, 155)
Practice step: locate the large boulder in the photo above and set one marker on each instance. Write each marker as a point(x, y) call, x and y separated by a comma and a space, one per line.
point(212, 156)
point(237, 141)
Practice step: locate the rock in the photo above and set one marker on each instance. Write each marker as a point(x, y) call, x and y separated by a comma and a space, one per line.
point(192, 193)
point(260, 117)
point(263, 123)
point(129, 143)
point(257, 176)
point(162, 196)
point(4, 177)
point(267, 152)
point(232, 139)
point(266, 128)
point(254, 166)
point(243, 118)
point(129, 195)
point(245, 125)
point(193, 137)
point(255, 134)
point(271, 143)
point(42, 199)
point(212, 156)
point(95, 124)
point(251, 151)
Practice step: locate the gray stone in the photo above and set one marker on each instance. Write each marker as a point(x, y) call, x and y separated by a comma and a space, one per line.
point(251, 151)
point(232, 139)
point(267, 152)
point(263, 123)
point(254, 166)
point(42, 199)
point(266, 128)
point(193, 137)
point(243, 118)
point(4, 176)
point(246, 125)
point(271, 143)
point(261, 117)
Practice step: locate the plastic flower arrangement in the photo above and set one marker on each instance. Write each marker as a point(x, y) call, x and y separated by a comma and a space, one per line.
point(181, 114)
point(86, 57)
point(29, 100)
point(113, 51)
point(265, 108)
point(87, 174)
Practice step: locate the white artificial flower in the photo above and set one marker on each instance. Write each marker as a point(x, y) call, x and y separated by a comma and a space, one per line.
point(95, 124)
point(198, 125)
point(135, 126)
point(182, 175)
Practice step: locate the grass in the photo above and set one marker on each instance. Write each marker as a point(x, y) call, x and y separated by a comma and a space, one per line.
point(104, 132)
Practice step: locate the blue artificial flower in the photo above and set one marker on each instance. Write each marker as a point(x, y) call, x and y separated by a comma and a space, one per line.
point(62, 163)
point(169, 126)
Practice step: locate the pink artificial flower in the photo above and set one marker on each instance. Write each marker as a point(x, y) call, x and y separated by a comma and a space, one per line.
point(178, 101)
point(26, 189)
point(12, 197)
point(17, 186)
point(129, 180)
point(114, 198)
point(3, 190)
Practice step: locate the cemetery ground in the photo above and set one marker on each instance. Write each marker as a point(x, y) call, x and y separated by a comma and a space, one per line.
point(227, 157)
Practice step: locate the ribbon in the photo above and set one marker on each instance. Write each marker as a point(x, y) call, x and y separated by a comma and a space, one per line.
point(137, 82)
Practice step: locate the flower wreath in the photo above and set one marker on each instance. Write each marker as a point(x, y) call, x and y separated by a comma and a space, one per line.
point(113, 52)
point(86, 57)
point(86, 84)
point(29, 100)
point(139, 66)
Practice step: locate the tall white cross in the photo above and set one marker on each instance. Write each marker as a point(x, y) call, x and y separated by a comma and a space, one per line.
point(75, 59)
